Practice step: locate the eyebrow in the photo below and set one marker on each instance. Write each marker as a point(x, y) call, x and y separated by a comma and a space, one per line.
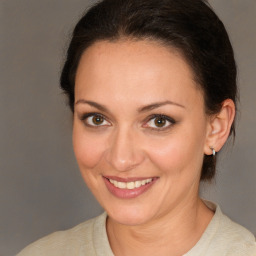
point(159, 104)
point(93, 104)
point(142, 109)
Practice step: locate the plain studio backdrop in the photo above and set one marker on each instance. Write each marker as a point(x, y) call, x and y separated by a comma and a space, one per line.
point(41, 190)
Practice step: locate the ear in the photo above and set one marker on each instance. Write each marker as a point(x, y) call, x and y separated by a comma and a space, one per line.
point(219, 127)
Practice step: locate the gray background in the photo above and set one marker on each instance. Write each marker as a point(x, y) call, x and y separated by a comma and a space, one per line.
point(40, 187)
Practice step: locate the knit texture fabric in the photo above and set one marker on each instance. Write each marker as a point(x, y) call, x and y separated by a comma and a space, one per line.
point(222, 237)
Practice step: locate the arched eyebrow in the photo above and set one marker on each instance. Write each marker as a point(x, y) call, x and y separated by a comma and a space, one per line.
point(157, 105)
point(93, 104)
point(141, 109)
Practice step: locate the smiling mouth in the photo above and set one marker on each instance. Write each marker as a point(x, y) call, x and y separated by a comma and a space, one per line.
point(131, 184)
point(128, 188)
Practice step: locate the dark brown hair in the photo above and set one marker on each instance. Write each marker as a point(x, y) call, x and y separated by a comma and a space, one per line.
point(190, 26)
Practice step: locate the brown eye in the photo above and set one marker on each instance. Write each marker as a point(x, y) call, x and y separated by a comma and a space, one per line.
point(97, 120)
point(94, 120)
point(160, 122)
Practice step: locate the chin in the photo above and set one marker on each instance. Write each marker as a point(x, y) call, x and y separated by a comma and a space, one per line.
point(130, 216)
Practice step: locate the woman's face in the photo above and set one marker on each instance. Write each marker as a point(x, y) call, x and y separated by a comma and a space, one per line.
point(140, 129)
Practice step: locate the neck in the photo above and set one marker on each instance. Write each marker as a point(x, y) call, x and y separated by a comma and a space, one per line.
point(172, 234)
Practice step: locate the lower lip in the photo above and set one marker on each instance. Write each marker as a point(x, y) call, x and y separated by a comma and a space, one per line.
point(128, 193)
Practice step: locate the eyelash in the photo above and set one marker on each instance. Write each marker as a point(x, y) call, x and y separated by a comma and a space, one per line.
point(160, 116)
point(86, 116)
point(171, 121)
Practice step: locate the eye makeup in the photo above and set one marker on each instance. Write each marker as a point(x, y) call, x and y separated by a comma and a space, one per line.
point(155, 122)
point(94, 120)
point(159, 122)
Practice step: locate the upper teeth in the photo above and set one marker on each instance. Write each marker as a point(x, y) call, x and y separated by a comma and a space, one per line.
point(131, 184)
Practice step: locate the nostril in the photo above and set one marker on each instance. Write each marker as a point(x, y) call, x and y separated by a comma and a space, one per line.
point(124, 162)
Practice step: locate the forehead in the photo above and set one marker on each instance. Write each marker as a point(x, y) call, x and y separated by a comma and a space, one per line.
point(131, 51)
point(142, 69)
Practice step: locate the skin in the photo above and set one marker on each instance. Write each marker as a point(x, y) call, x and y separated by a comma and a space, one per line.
point(120, 80)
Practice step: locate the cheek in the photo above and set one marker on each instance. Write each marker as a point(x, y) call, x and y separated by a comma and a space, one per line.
point(166, 155)
point(178, 154)
point(87, 148)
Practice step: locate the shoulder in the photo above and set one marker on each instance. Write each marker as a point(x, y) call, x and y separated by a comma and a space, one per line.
point(230, 237)
point(68, 242)
point(224, 237)
point(237, 239)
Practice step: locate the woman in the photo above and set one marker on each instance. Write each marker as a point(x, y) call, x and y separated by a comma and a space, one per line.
point(152, 86)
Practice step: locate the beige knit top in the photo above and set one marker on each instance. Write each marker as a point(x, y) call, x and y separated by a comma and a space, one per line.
point(222, 237)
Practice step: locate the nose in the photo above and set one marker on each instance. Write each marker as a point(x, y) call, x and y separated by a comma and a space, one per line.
point(124, 152)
